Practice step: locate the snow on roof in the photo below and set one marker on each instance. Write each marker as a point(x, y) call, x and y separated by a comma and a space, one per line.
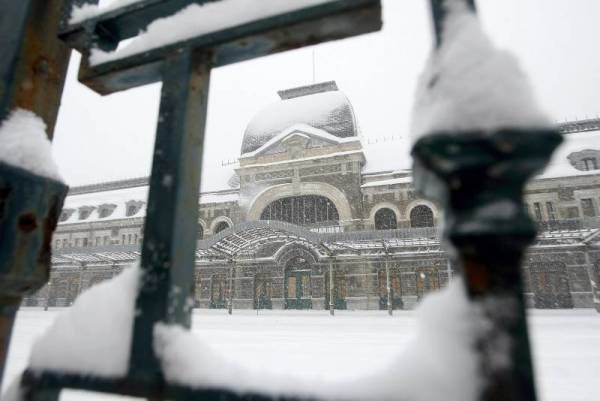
point(391, 181)
point(303, 159)
point(383, 155)
point(120, 198)
point(199, 19)
point(300, 129)
point(560, 166)
point(328, 111)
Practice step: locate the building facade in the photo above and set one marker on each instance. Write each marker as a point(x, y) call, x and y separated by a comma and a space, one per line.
point(316, 214)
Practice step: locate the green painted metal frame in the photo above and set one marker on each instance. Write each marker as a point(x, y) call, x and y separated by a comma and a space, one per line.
point(307, 26)
point(485, 168)
point(167, 262)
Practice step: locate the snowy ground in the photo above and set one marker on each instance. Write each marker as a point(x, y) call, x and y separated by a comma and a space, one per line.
point(312, 344)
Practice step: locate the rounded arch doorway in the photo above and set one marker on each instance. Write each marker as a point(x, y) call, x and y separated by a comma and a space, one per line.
point(297, 285)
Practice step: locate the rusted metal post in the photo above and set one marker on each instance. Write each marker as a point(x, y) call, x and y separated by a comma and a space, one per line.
point(34, 63)
point(331, 288)
point(32, 73)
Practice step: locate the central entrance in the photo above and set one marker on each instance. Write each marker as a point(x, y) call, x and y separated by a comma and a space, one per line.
point(297, 284)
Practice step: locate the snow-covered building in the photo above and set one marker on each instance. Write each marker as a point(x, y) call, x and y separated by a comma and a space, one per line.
point(311, 200)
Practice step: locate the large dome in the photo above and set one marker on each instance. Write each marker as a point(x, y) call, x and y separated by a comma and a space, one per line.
point(321, 106)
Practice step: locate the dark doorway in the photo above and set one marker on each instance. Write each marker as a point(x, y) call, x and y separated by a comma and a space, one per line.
point(427, 280)
point(218, 291)
point(262, 291)
point(297, 284)
point(550, 285)
point(395, 286)
point(339, 290)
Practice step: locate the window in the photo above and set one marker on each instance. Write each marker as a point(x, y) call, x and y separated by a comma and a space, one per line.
point(385, 219)
point(57, 243)
point(106, 209)
point(85, 211)
point(65, 214)
point(106, 240)
point(85, 242)
point(76, 241)
point(135, 238)
point(97, 241)
point(302, 210)
point(123, 239)
point(550, 211)
point(132, 207)
point(589, 164)
point(537, 210)
point(64, 243)
point(221, 226)
point(199, 232)
point(129, 239)
point(572, 212)
point(421, 216)
point(587, 207)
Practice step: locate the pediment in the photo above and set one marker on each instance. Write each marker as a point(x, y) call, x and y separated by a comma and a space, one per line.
point(299, 136)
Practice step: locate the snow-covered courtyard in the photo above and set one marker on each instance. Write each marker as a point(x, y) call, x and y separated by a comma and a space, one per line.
point(311, 344)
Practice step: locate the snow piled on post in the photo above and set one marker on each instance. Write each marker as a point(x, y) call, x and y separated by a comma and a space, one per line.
point(439, 364)
point(94, 335)
point(468, 84)
point(24, 144)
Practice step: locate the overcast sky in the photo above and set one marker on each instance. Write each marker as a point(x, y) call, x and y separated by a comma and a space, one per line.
point(106, 138)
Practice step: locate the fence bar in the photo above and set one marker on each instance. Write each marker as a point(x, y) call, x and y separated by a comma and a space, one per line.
point(230, 289)
point(172, 214)
point(453, 169)
point(331, 287)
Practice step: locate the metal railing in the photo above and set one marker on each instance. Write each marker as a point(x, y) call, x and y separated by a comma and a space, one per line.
point(451, 168)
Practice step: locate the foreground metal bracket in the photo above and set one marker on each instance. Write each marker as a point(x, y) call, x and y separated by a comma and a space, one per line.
point(478, 178)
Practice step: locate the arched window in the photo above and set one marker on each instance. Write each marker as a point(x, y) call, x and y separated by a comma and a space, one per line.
point(200, 232)
point(421, 216)
point(302, 210)
point(221, 226)
point(385, 219)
